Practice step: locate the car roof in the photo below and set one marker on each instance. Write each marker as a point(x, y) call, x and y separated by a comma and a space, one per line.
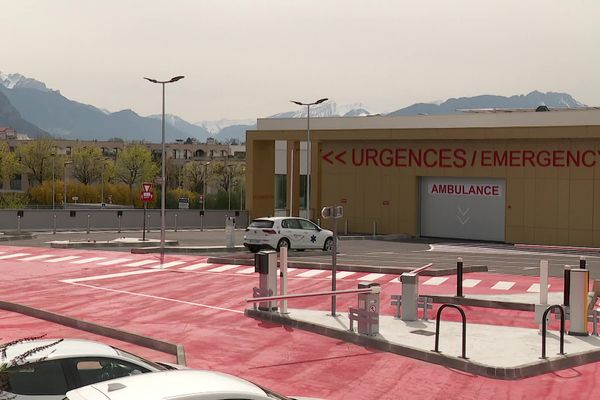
point(66, 348)
point(275, 218)
point(169, 384)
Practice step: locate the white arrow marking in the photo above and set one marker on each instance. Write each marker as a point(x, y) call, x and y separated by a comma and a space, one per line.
point(463, 213)
point(463, 221)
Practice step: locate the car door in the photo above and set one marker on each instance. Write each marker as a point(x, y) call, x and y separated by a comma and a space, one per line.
point(44, 380)
point(311, 234)
point(291, 229)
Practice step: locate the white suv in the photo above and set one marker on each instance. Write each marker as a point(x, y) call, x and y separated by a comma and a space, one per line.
point(292, 232)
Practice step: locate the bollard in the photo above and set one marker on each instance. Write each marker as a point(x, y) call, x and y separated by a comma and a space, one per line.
point(119, 223)
point(319, 221)
point(346, 227)
point(18, 224)
point(201, 223)
point(567, 285)
point(374, 228)
point(582, 262)
point(88, 225)
point(54, 228)
point(283, 261)
point(175, 222)
point(459, 277)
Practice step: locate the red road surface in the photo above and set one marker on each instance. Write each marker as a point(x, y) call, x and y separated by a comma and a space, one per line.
point(203, 311)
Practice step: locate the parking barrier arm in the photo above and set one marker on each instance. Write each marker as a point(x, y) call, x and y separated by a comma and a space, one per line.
point(375, 289)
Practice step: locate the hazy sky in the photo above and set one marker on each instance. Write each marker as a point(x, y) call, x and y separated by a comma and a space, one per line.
point(248, 58)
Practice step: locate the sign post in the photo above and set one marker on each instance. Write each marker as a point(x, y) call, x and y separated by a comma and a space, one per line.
point(335, 212)
point(146, 196)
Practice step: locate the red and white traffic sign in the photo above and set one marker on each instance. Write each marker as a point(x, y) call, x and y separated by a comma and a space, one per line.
point(146, 187)
point(146, 195)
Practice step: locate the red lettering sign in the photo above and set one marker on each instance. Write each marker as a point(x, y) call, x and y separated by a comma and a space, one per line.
point(464, 189)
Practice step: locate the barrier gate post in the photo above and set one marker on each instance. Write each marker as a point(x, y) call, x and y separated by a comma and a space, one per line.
point(265, 263)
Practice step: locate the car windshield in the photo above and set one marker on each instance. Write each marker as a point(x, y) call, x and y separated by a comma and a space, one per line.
point(271, 394)
point(261, 223)
point(138, 359)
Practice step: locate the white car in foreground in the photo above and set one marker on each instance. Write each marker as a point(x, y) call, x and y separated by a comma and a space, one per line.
point(49, 373)
point(177, 385)
point(292, 232)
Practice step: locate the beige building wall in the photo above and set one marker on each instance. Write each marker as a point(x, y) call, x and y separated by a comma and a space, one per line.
point(554, 204)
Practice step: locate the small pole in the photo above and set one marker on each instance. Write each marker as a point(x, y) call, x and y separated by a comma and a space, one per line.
point(175, 222)
point(567, 284)
point(148, 224)
point(144, 224)
point(459, 277)
point(54, 228)
point(346, 227)
point(201, 223)
point(88, 224)
point(582, 262)
point(283, 254)
point(119, 217)
point(334, 267)
point(19, 224)
point(374, 228)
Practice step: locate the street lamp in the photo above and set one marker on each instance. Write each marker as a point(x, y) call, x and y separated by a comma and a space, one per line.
point(65, 183)
point(53, 178)
point(163, 180)
point(308, 149)
point(204, 181)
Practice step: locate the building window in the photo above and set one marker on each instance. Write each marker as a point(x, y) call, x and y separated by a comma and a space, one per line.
point(303, 192)
point(15, 183)
point(280, 192)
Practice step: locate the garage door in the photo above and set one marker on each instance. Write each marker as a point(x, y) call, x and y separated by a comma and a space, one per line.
point(462, 208)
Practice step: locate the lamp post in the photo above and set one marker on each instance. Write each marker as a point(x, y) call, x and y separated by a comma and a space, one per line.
point(204, 188)
point(308, 149)
point(65, 183)
point(162, 179)
point(53, 177)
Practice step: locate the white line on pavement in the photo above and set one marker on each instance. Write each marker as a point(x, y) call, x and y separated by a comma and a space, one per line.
point(503, 285)
point(88, 260)
point(61, 259)
point(371, 277)
point(109, 276)
point(168, 265)
point(40, 257)
point(343, 274)
point(115, 261)
point(436, 280)
point(309, 273)
point(14, 255)
point(223, 268)
point(471, 282)
point(535, 288)
point(196, 266)
point(140, 263)
point(246, 271)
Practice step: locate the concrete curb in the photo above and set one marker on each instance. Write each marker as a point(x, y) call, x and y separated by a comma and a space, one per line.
point(106, 243)
point(351, 267)
point(22, 236)
point(374, 237)
point(520, 372)
point(498, 304)
point(155, 344)
point(190, 250)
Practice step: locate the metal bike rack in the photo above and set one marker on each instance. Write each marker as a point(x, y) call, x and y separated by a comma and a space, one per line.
point(464, 329)
point(562, 330)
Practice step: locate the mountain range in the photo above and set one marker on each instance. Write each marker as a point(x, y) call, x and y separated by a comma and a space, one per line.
point(30, 107)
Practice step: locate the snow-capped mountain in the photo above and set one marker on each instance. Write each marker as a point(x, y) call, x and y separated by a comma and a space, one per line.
point(11, 81)
point(327, 109)
point(214, 127)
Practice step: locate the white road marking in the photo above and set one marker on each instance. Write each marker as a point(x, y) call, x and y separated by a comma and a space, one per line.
point(292, 269)
point(344, 274)
point(309, 273)
point(436, 280)
point(168, 265)
point(246, 271)
point(223, 268)
point(14, 255)
point(371, 277)
point(158, 297)
point(115, 261)
point(503, 285)
point(196, 266)
point(471, 282)
point(88, 260)
point(140, 263)
point(109, 276)
point(535, 288)
point(40, 257)
point(61, 259)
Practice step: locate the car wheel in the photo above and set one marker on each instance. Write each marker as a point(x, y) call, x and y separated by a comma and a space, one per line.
point(328, 246)
point(254, 249)
point(283, 243)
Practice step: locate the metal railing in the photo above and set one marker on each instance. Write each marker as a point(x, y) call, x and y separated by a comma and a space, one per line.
point(562, 329)
point(464, 329)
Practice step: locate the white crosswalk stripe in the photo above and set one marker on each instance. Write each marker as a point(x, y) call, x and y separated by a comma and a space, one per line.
point(371, 277)
point(140, 263)
point(503, 285)
point(535, 288)
point(310, 273)
point(168, 265)
point(223, 268)
point(436, 280)
point(196, 266)
point(40, 257)
point(246, 271)
point(61, 259)
point(471, 282)
point(108, 276)
point(115, 261)
point(14, 255)
point(88, 260)
point(344, 274)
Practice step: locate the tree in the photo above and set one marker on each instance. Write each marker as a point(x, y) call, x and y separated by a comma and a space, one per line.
point(134, 165)
point(9, 164)
point(87, 164)
point(193, 176)
point(35, 158)
point(225, 176)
